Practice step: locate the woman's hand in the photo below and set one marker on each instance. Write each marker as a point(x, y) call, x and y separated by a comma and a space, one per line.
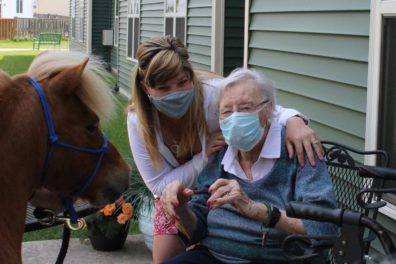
point(301, 137)
point(215, 143)
point(225, 191)
point(174, 197)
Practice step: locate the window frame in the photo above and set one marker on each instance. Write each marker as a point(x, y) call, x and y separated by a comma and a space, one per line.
point(133, 40)
point(379, 9)
point(174, 15)
point(116, 23)
point(19, 6)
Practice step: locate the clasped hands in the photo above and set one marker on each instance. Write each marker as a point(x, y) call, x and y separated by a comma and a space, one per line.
point(175, 197)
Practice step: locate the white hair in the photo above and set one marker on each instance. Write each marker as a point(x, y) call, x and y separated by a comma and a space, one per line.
point(263, 84)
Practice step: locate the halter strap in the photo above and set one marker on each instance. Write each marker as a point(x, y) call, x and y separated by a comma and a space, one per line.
point(54, 140)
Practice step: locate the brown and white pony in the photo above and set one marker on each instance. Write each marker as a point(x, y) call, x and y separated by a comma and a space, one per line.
point(32, 157)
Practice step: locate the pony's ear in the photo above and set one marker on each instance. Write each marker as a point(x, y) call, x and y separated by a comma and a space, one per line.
point(67, 80)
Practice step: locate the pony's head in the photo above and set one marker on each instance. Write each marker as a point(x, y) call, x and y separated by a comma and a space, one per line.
point(78, 100)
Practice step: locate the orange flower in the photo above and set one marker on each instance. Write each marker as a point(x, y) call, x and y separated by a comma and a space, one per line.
point(128, 210)
point(108, 209)
point(122, 218)
point(120, 201)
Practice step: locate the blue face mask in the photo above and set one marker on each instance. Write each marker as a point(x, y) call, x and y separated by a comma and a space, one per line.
point(175, 104)
point(242, 130)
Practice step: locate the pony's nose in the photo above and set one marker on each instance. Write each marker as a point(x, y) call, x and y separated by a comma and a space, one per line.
point(112, 194)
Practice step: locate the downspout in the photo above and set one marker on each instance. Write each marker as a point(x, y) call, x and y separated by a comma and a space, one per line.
point(116, 87)
point(246, 34)
point(217, 49)
point(373, 80)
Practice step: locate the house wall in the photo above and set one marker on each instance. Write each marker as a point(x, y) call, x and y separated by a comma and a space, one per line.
point(199, 31)
point(58, 7)
point(8, 9)
point(316, 52)
point(198, 40)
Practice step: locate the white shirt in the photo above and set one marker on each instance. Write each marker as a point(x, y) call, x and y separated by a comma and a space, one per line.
point(270, 152)
point(170, 170)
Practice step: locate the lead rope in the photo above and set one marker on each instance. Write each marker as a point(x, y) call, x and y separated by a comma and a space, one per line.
point(65, 244)
point(47, 217)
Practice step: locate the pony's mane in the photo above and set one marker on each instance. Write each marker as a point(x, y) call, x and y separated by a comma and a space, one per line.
point(94, 92)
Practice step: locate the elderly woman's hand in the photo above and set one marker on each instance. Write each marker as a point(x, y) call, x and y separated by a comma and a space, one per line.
point(301, 137)
point(225, 191)
point(215, 143)
point(174, 197)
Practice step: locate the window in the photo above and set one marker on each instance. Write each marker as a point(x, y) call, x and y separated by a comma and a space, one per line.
point(133, 28)
point(381, 94)
point(19, 6)
point(116, 23)
point(387, 106)
point(175, 18)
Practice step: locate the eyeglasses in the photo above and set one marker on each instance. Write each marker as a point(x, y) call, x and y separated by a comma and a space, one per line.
point(243, 108)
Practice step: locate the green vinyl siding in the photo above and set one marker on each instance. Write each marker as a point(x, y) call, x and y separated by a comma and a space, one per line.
point(199, 33)
point(151, 19)
point(308, 5)
point(233, 35)
point(151, 25)
point(316, 52)
point(124, 65)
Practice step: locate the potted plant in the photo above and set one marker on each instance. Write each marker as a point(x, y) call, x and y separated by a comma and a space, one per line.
point(143, 202)
point(108, 228)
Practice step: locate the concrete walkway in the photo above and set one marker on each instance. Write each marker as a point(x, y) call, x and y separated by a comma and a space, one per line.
point(81, 252)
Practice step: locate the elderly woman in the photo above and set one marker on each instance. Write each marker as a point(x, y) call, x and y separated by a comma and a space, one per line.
point(237, 214)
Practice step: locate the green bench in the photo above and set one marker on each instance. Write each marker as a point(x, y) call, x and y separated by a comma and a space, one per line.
point(47, 39)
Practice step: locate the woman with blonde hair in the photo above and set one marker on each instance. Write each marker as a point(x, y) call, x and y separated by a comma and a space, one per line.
point(173, 128)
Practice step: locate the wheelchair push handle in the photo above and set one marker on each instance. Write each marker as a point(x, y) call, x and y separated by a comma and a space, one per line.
point(340, 217)
point(313, 212)
point(377, 172)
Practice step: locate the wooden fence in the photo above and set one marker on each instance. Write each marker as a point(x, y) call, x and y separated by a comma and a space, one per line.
point(7, 28)
point(30, 27)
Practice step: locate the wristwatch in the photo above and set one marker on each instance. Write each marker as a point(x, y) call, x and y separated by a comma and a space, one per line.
point(276, 215)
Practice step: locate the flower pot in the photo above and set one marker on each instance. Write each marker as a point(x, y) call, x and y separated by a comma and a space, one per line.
point(102, 243)
point(146, 227)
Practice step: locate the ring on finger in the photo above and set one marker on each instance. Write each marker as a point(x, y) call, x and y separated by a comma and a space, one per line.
point(316, 141)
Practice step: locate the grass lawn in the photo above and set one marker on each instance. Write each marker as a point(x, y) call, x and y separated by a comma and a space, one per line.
point(18, 62)
point(28, 44)
point(15, 62)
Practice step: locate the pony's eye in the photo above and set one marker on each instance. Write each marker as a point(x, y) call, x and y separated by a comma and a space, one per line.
point(92, 128)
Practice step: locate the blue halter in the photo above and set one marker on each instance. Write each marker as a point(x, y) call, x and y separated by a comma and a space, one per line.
point(54, 140)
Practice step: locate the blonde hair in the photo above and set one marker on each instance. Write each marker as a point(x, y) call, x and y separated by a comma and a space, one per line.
point(159, 60)
point(94, 91)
